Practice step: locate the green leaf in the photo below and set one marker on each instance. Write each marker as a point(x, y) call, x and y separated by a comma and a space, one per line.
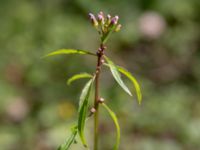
point(133, 80)
point(70, 141)
point(114, 117)
point(116, 75)
point(78, 76)
point(83, 107)
point(69, 51)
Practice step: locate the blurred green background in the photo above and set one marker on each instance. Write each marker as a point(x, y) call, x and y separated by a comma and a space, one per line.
point(159, 43)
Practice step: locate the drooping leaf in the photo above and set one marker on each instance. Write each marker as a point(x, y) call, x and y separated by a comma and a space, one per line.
point(69, 51)
point(114, 117)
point(70, 141)
point(78, 76)
point(83, 107)
point(133, 80)
point(116, 75)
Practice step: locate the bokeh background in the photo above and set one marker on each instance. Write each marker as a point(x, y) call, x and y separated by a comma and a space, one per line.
point(159, 43)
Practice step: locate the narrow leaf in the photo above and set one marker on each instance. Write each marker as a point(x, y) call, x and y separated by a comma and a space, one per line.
point(83, 107)
point(114, 117)
point(134, 81)
point(70, 141)
point(69, 51)
point(78, 76)
point(116, 75)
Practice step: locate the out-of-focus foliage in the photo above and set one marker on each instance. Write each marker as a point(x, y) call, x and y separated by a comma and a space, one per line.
point(158, 43)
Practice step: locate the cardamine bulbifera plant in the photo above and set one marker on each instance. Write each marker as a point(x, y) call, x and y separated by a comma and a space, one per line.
point(105, 25)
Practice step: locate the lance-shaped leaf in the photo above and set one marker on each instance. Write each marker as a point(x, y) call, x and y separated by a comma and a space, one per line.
point(69, 51)
point(83, 107)
point(78, 76)
point(133, 80)
point(116, 75)
point(70, 141)
point(114, 117)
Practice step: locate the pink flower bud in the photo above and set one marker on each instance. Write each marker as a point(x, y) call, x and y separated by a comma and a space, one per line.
point(108, 19)
point(93, 20)
point(108, 16)
point(91, 16)
point(114, 20)
point(101, 17)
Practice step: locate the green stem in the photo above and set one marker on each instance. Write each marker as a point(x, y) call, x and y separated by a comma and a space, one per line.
point(96, 102)
point(96, 123)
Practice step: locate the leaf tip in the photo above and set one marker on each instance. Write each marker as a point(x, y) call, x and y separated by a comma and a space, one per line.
point(140, 101)
point(130, 93)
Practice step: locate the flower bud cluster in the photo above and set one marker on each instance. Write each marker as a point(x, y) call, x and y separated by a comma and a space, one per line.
point(105, 23)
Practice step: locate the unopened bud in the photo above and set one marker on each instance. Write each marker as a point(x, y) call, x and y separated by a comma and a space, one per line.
point(118, 28)
point(102, 61)
point(117, 18)
point(114, 20)
point(101, 13)
point(101, 100)
point(93, 110)
point(91, 16)
point(93, 20)
point(101, 17)
point(108, 19)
